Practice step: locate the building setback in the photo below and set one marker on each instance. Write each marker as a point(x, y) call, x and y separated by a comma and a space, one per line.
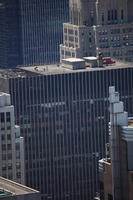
point(116, 170)
point(31, 32)
point(63, 115)
point(12, 164)
point(99, 26)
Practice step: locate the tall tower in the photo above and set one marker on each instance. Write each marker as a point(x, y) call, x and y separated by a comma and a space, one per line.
point(31, 32)
point(116, 170)
point(41, 28)
point(117, 118)
point(9, 27)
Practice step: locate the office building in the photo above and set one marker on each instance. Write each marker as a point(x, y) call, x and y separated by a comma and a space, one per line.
point(11, 144)
point(10, 190)
point(63, 115)
point(31, 32)
point(9, 31)
point(116, 170)
point(99, 26)
point(42, 30)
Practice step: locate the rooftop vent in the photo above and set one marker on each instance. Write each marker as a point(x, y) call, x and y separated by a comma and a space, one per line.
point(73, 63)
point(91, 61)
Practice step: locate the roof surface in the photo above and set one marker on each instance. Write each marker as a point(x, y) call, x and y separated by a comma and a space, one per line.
point(72, 60)
point(11, 187)
point(55, 69)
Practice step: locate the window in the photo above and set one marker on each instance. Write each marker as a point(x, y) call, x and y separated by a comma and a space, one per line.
point(10, 156)
point(92, 17)
point(122, 14)
point(76, 39)
point(4, 168)
point(92, 20)
point(115, 14)
point(10, 176)
point(73, 54)
point(102, 18)
point(9, 146)
point(65, 30)
point(110, 197)
point(115, 31)
point(8, 137)
point(10, 167)
point(112, 15)
point(3, 157)
point(65, 37)
point(18, 165)
point(76, 32)
point(3, 147)
point(70, 31)
point(71, 38)
point(108, 15)
point(8, 116)
point(18, 155)
point(17, 146)
point(2, 137)
point(2, 117)
point(68, 53)
point(18, 174)
point(8, 127)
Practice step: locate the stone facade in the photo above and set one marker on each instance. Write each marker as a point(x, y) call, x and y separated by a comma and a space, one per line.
point(11, 144)
point(106, 28)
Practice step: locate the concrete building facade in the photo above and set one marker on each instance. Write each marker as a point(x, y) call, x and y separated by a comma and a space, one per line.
point(99, 26)
point(116, 171)
point(11, 144)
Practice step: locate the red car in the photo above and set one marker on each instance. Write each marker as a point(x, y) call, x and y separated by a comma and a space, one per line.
point(108, 61)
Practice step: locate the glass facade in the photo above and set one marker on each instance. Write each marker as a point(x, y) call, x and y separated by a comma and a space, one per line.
point(42, 29)
point(64, 120)
point(31, 31)
point(9, 31)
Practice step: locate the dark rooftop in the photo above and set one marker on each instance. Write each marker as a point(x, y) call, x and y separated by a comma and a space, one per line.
point(54, 69)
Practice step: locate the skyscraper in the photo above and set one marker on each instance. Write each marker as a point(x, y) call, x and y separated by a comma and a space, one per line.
point(99, 26)
point(42, 29)
point(63, 115)
point(116, 170)
point(9, 33)
point(12, 164)
point(30, 31)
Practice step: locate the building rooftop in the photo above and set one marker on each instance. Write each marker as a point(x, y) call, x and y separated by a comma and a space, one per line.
point(90, 58)
point(74, 60)
point(10, 188)
point(55, 69)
